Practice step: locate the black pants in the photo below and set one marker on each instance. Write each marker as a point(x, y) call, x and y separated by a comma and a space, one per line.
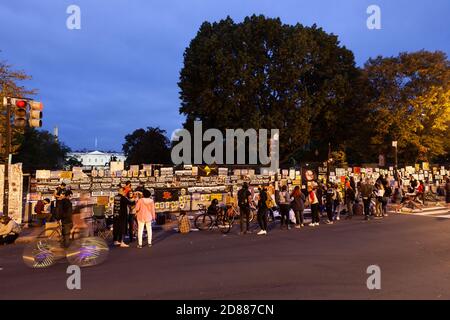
point(119, 227)
point(366, 207)
point(244, 213)
point(262, 218)
point(66, 227)
point(298, 216)
point(315, 213)
point(284, 212)
point(131, 220)
point(330, 211)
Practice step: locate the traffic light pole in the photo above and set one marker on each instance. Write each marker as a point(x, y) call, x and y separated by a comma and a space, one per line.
point(7, 157)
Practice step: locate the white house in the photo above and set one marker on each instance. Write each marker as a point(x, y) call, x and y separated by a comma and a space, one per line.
point(96, 158)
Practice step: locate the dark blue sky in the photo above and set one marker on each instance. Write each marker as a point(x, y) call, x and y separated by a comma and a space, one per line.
point(120, 71)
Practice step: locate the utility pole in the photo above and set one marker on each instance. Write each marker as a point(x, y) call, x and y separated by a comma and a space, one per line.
point(7, 101)
point(328, 161)
point(395, 145)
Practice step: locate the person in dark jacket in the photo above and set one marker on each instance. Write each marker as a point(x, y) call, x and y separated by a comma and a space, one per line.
point(447, 191)
point(349, 200)
point(366, 194)
point(244, 196)
point(298, 205)
point(329, 198)
point(65, 216)
point(121, 203)
point(262, 212)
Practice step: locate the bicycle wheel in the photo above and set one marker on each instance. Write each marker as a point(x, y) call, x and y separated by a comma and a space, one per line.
point(224, 224)
point(203, 221)
point(87, 252)
point(40, 253)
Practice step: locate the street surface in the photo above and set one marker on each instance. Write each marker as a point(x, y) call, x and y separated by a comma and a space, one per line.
point(325, 262)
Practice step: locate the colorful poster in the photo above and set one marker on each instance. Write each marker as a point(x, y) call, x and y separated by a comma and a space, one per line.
point(42, 174)
point(15, 192)
point(2, 185)
point(116, 166)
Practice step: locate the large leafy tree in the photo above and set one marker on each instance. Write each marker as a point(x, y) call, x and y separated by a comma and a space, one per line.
point(147, 146)
point(410, 103)
point(40, 150)
point(262, 73)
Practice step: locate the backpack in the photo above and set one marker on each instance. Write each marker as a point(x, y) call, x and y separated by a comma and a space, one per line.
point(184, 225)
point(242, 198)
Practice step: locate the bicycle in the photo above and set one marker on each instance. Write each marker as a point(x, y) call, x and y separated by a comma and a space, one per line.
point(49, 248)
point(206, 221)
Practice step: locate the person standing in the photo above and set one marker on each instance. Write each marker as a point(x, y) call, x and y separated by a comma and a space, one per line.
point(65, 216)
point(298, 205)
point(58, 195)
point(337, 202)
point(379, 191)
point(329, 198)
point(412, 184)
point(145, 214)
point(314, 204)
point(349, 200)
point(386, 197)
point(284, 202)
point(421, 192)
point(121, 203)
point(244, 200)
point(366, 194)
point(447, 191)
point(127, 187)
point(133, 196)
point(262, 211)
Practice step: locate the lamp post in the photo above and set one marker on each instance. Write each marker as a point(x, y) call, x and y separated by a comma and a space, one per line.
point(395, 144)
point(328, 161)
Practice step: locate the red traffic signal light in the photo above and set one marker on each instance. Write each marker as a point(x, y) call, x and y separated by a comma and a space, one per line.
point(20, 113)
point(21, 104)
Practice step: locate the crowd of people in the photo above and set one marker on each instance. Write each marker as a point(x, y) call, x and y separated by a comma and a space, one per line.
point(131, 207)
point(326, 202)
point(366, 197)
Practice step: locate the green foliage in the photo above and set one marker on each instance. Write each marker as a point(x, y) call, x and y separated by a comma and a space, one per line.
point(264, 74)
point(40, 150)
point(149, 146)
point(410, 103)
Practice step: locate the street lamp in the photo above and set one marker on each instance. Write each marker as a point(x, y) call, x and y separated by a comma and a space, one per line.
point(395, 145)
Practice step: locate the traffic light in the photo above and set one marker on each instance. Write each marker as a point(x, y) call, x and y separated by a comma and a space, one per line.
point(35, 118)
point(20, 112)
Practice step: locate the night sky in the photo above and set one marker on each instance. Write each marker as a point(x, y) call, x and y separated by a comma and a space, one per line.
point(120, 71)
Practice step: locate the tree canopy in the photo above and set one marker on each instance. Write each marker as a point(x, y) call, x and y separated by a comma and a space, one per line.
point(262, 73)
point(147, 146)
point(410, 103)
point(40, 150)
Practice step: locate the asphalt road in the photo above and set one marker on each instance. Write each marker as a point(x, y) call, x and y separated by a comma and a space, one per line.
point(325, 262)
